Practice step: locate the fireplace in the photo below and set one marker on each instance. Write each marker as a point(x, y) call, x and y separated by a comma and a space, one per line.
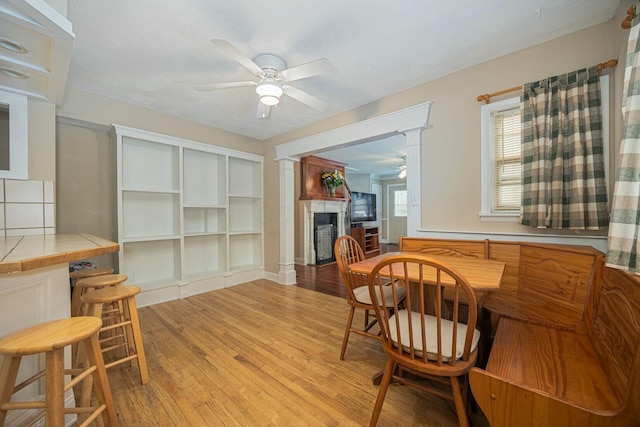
point(325, 233)
point(313, 210)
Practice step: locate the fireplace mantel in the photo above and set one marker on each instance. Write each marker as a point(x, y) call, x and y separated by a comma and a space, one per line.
point(311, 170)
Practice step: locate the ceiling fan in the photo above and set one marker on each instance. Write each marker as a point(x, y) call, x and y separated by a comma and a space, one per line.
point(274, 78)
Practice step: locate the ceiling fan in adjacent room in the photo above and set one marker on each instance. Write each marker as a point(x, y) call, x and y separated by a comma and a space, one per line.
point(274, 78)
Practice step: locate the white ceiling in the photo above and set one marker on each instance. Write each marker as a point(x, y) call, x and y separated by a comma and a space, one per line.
point(152, 52)
point(381, 158)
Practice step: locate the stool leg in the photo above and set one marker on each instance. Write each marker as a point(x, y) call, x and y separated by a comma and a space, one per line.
point(75, 301)
point(129, 335)
point(8, 376)
point(137, 339)
point(82, 358)
point(54, 388)
point(102, 388)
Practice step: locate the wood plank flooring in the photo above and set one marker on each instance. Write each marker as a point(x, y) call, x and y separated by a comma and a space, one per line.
point(262, 354)
point(326, 278)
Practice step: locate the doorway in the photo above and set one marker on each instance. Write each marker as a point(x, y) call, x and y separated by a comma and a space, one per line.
point(397, 210)
point(377, 190)
point(409, 122)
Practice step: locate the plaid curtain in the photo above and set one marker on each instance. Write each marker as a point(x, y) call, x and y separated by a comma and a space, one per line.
point(625, 211)
point(563, 182)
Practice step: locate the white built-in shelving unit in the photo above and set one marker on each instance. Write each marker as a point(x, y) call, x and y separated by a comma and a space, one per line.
point(190, 215)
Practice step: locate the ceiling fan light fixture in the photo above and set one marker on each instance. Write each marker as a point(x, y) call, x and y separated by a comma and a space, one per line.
point(269, 91)
point(403, 168)
point(269, 100)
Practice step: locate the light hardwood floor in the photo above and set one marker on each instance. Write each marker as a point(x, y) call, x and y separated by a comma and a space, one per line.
point(262, 354)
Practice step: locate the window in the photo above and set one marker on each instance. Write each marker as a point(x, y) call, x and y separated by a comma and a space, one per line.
point(500, 144)
point(501, 165)
point(507, 166)
point(400, 203)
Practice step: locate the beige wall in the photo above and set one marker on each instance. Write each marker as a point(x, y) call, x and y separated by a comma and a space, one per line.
point(99, 110)
point(85, 187)
point(451, 149)
point(42, 140)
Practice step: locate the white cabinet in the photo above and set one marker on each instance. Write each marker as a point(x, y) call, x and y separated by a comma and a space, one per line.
point(190, 215)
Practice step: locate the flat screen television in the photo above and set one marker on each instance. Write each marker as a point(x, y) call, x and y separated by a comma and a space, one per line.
point(363, 207)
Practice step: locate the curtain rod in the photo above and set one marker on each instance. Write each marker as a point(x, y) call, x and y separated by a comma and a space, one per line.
point(487, 96)
point(631, 13)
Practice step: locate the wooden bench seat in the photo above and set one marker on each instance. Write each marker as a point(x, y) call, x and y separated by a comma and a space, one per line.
point(542, 375)
point(527, 354)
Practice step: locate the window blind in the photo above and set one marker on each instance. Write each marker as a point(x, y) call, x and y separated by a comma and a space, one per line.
point(507, 160)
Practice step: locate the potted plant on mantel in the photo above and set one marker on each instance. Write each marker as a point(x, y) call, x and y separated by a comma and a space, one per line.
point(332, 180)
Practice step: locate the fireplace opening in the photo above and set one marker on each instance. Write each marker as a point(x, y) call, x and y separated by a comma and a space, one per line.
point(325, 234)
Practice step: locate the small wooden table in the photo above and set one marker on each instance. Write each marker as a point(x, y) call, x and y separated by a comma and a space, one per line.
point(482, 274)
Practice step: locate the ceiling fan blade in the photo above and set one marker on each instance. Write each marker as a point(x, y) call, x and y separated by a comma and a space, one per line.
point(310, 69)
point(234, 53)
point(263, 111)
point(305, 98)
point(216, 86)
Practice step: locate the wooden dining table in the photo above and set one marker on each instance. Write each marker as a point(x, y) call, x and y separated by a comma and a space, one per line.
point(483, 275)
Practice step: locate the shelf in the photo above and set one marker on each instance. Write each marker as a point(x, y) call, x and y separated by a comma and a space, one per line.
point(214, 233)
point(245, 267)
point(204, 220)
point(149, 165)
point(165, 282)
point(205, 253)
point(245, 251)
point(193, 277)
point(148, 190)
point(245, 177)
point(204, 206)
point(164, 268)
point(150, 214)
point(241, 233)
point(190, 215)
point(367, 238)
point(245, 214)
point(134, 239)
point(204, 178)
point(239, 196)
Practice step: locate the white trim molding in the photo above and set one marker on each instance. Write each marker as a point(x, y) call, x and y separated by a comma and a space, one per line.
point(409, 122)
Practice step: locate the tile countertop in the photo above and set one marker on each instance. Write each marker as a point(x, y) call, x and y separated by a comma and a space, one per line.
point(23, 253)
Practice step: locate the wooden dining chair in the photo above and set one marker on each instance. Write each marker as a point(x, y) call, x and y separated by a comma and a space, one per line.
point(418, 340)
point(348, 251)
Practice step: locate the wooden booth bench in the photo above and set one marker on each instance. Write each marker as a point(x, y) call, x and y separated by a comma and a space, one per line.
point(566, 350)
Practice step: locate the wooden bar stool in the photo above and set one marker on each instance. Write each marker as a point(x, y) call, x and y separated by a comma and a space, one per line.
point(90, 272)
point(51, 338)
point(83, 274)
point(130, 336)
point(90, 283)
